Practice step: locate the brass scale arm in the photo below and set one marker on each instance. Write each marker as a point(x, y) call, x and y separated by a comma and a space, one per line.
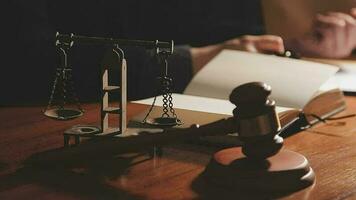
point(72, 39)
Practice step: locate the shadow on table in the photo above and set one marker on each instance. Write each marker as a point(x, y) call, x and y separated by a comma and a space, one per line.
point(85, 180)
point(207, 190)
point(2, 166)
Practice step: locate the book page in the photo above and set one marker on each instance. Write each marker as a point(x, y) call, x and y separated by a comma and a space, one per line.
point(293, 82)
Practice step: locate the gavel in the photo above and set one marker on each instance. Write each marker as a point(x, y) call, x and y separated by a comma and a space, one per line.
point(254, 119)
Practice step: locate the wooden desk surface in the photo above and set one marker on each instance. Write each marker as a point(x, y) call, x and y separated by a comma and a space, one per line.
point(331, 149)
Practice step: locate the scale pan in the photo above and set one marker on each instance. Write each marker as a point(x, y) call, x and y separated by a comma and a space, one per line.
point(63, 114)
point(164, 122)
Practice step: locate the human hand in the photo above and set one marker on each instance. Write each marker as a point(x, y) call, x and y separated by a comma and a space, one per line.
point(257, 44)
point(333, 36)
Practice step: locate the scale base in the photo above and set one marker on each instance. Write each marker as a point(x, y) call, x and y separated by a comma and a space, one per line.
point(77, 132)
point(285, 171)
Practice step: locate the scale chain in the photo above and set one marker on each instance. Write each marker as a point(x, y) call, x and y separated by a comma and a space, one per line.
point(64, 91)
point(171, 108)
point(53, 89)
point(63, 86)
point(166, 92)
point(72, 89)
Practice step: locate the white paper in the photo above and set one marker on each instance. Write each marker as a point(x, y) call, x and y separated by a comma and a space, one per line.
point(201, 104)
point(293, 82)
point(345, 79)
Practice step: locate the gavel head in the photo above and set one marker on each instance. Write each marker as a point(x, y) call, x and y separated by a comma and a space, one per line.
point(257, 121)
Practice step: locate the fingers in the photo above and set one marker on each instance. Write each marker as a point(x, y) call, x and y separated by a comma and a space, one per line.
point(336, 20)
point(348, 32)
point(332, 31)
point(334, 34)
point(257, 44)
point(329, 21)
point(348, 19)
point(269, 43)
point(353, 12)
point(353, 31)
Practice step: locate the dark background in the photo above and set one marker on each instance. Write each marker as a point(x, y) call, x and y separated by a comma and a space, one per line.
point(196, 22)
point(30, 27)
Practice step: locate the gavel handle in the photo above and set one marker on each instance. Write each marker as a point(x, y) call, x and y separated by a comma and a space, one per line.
point(106, 147)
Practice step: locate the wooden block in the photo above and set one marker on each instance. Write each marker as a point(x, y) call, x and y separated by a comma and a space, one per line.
point(285, 171)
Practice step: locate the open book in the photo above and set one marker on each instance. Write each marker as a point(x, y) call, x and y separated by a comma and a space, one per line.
point(295, 86)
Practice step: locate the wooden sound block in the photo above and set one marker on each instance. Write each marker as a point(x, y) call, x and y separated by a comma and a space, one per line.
point(284, 171)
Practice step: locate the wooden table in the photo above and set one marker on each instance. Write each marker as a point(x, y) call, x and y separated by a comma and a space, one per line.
point(331, 149)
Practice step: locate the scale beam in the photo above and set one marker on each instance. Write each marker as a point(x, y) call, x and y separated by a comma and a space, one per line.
point(72, 39)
